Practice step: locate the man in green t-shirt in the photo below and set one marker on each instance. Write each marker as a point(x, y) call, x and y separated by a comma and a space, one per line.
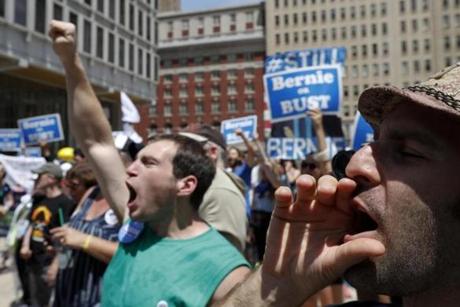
point(162, 189)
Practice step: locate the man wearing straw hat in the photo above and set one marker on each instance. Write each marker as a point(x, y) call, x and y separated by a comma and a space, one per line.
point(392, 226)
point(51, 209)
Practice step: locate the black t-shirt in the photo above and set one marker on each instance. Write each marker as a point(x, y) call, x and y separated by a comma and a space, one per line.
point(43, 217)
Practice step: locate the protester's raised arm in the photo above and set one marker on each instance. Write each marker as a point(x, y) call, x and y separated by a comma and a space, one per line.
point(87, 120)
point(305, 249)
point(250, 157)
point(322, 156)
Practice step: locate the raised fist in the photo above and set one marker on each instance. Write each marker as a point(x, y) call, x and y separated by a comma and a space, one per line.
point(63, 36)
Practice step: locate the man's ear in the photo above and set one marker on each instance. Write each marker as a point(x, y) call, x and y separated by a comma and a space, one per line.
point(186, 185)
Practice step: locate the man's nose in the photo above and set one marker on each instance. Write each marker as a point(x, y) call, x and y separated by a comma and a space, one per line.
point(131, 170)
point(362, 166)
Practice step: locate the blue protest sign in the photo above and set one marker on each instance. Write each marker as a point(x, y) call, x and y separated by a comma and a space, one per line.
point(304, 58)
point(362, 132)
point(10, 140)
point(247, 124)
point(34, 151)
point(46, 128)
point(130, 231)
point(299, 148)
point(291, 93)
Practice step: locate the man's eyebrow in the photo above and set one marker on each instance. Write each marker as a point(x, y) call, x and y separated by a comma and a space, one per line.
point(423, 137)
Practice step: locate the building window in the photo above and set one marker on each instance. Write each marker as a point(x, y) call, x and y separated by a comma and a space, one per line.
point(383, 9)
point(427, 45)
point(100, 5)
point(384, 29)
point(167, 110)
point(386, 69)
point(402, 6)
point(183, 108)
point(215, 90)
point(111, 48)
point(199, 106)
point(231, 89)
point(2, 8)
point(232, 105)
point(149, 28)
point(216, 23)
point(198, 90)
point(148, 66)
point(403, 26)
point(73, 18)
point(286, 38)
point(131, 17)
point(100, 42)
point(183, 78)
point(131, 57)
point(277, 20)
point(286, 19)
point(447, 43)
point(40, 15)
point(249, 105)
point(277, 39)
point(57, 12)
point(231, 74)
point(112, 9)
point(183, 92)
point(427, 65)
point(215, 75)
point(87, 36)
point(415, 46)
point(200, 28)
point(199, 76)
point(121, 10)
point(140, 61)
point(405, 68)
point(416, 67)
point(20, 12)
point(215, 106)
point(140, 23)
point(121, 52)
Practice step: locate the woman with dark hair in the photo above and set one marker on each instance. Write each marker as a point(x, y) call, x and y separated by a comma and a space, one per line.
point(88, 241)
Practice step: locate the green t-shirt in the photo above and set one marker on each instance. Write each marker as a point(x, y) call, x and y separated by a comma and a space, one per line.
point(156, 271)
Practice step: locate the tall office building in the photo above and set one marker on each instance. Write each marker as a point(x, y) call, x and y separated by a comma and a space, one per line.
point(398, 42)
point(211, 66)
point(117, 43)
point(168, 6)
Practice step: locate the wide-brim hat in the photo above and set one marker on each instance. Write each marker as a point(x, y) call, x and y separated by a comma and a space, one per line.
point(440, 92)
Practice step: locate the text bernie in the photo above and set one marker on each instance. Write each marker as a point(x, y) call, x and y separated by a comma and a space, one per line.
point(307, 102)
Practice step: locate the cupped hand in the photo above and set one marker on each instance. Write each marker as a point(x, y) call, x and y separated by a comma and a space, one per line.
point(305, 250)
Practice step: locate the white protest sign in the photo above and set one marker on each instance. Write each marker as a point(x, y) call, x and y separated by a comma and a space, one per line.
point(247, 124)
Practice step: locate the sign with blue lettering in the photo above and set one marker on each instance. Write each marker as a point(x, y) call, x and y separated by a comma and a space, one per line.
point(10, 140)
point(247, 124)
point(299, 148)
point(305, 58)
point(362, 132)
point(46, 128)
point(291, 93)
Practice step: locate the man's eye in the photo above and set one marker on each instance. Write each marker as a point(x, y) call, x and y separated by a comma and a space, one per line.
point(408, 153)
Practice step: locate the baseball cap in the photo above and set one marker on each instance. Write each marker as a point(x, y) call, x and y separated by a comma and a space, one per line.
point(204, 133)
point(49, 168)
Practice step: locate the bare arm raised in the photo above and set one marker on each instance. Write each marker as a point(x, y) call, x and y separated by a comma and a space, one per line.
point(305, 249)
point(88, 122)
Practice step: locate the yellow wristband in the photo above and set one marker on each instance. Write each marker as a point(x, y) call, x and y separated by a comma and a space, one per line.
point(86, 243)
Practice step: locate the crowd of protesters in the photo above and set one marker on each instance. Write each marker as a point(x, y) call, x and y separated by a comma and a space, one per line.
point(186, 220)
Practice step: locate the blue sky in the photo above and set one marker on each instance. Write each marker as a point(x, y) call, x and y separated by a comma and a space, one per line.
point(194, 5)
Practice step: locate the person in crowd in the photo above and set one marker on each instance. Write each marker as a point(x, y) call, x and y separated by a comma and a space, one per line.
point(290, 171)
point(167, 255)
point(223, 204)
point(6, 203)
point(89, 240)
point(241, 165)
point(392, 225)
point(265, 179)
point(49, 211)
